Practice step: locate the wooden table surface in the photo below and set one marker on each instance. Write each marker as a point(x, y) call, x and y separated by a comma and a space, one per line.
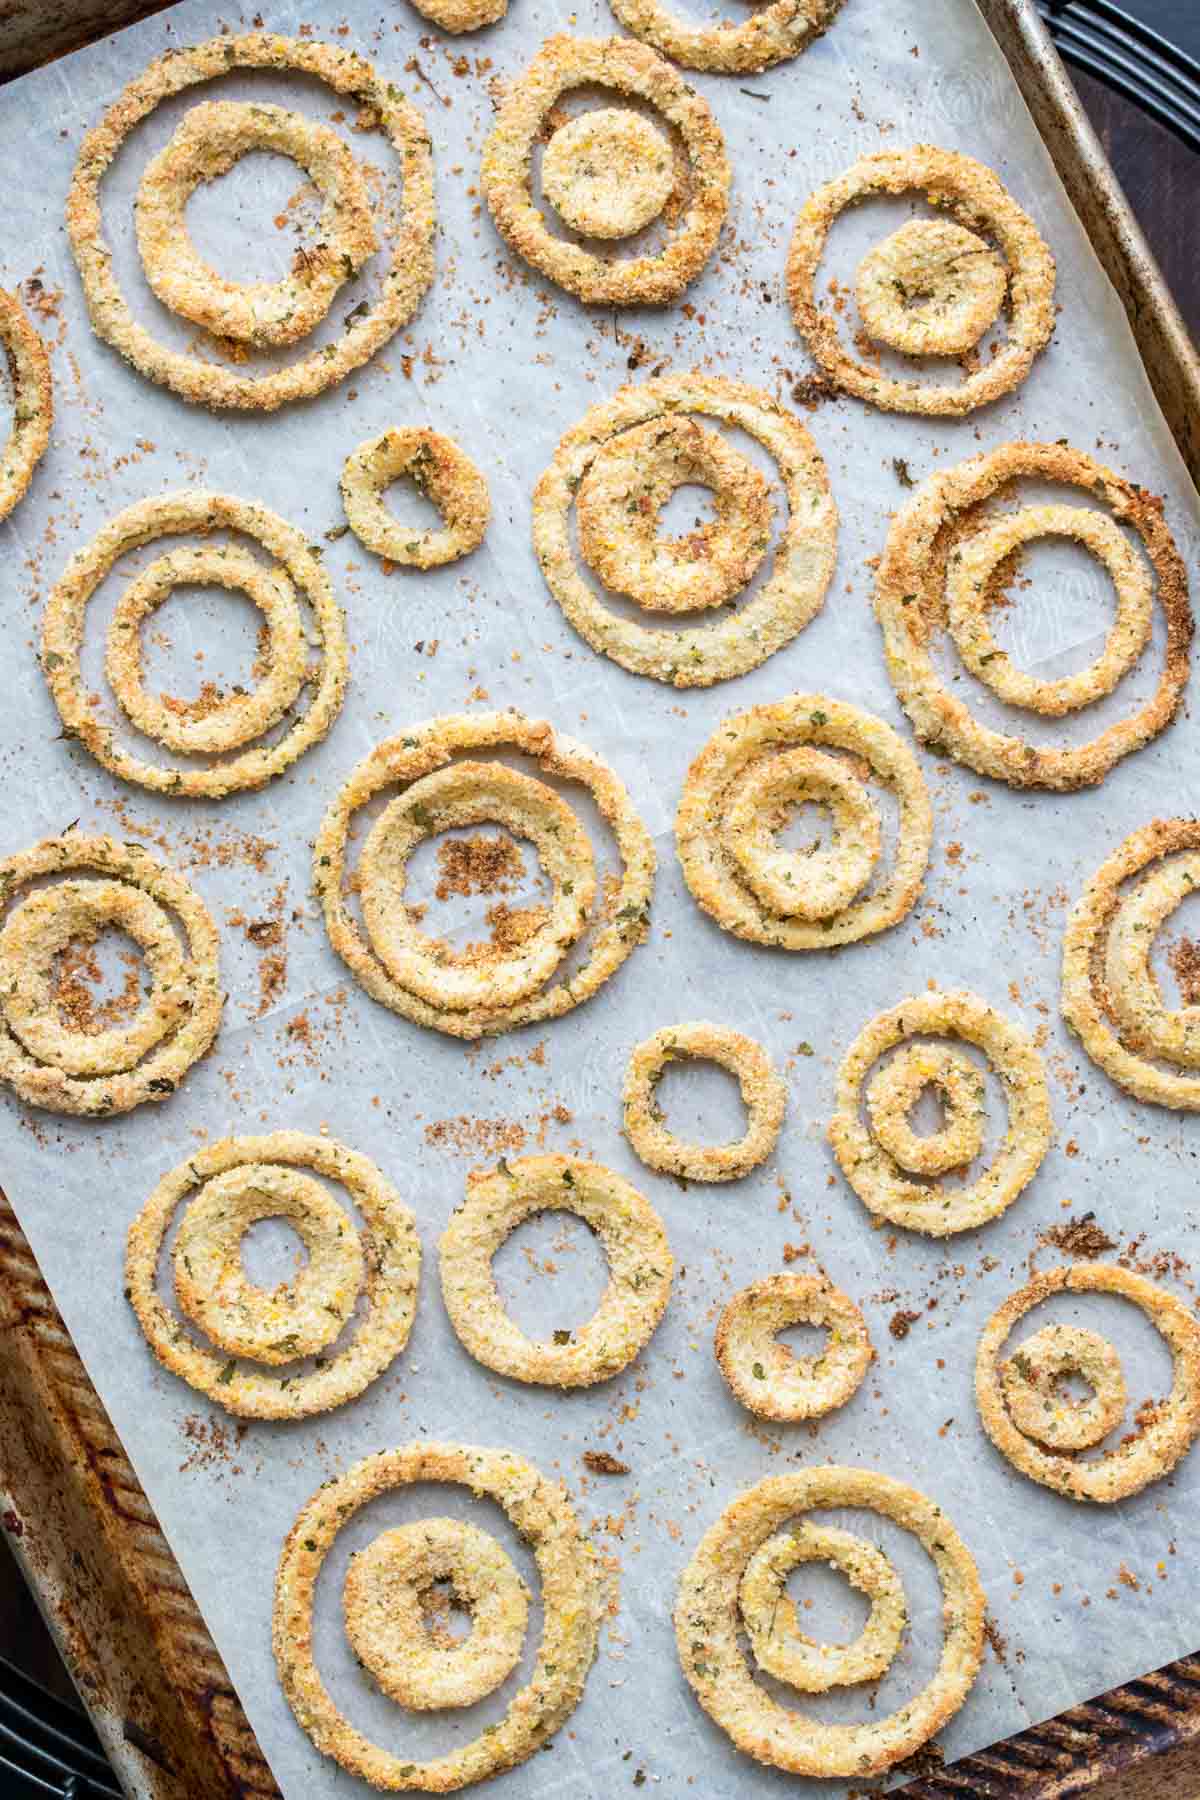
point(1161, 176)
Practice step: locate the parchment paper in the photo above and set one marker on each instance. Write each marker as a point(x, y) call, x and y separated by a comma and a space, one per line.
point(505, 364)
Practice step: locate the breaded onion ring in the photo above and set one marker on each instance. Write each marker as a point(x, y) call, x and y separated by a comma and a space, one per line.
point(770, 1379)
point(608, 173)
point(1035, 1403)
point(387, 1625)
point(565, 63)
point(912, 608)
point(33, 401)
point(790, 899)
point(772, 34)
point(410, 265)
point(96, 1074)
point(708, 1621)
point(571, 1608)
point(457, 16)
point(980, 201)
point(438, 469)
point(764, 1096)
point(894, 1089)
point(800, 570)
point(880, 1174)
point(1166, 1429)
point(633, 1238)
point(231, 1184)
point(207, 142)
point(1111, 999)
point(930, 289)
point(772, 1623)
point(238, 719)
point(422, 749)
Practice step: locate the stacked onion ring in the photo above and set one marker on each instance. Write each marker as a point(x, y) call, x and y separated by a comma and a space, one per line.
point(68, 1066)
point(382, 1596)
point(258, 1341)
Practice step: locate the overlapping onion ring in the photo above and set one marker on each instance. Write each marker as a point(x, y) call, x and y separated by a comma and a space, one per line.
point(561, 65)
point(983, 206)
point(801, 568)
point(634, 1240)
point(1111, 998)
point(227, 1187)
point(410, 264)
point(766, 1376)
point(772, 1623)
point(774, 32)
point(207, 142)
point(239, 718)
point(708, 1622)
point(439, 470)
point(95, 1074)
point(1166, 1429)
point(33, 401)
point(424, 749)
point(934, 536)
point(880, 1170)
point(764, 1096)
point(760, 761)
point(571, 1609)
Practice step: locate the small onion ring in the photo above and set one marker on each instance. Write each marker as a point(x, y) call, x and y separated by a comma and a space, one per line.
point(1136, 1461)
point(713, 858)
point(439, 470)
point(804, 558)
point(772, 34)
point(913, 296)
point(707, 1623)
point(772, 1623)
point(608, 173)
point(767, 1377)
point(392, 1255)
point(911, 608)
point(402, 760)
point(1029, 1379)
point(882, 1183)
point(386, 1623)
point(810, 884)
point(182, 1031)
point(628, 482)
point(894, 1090)
point(410, 268)
point(981, 201)
point(764, 1096)
point(564, 63)
point(1121, 1021)
point(631, 1232)
point(571, 1606)
point(33, 401)
point(208, 141)
point(63, 626)
point(456, 16)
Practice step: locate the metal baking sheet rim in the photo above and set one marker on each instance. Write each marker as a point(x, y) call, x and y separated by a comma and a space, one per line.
point(119, 1610)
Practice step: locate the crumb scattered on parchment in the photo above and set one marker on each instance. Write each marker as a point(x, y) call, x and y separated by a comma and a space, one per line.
point(478, 865)
point(601, 1463)
point(1079, 1237)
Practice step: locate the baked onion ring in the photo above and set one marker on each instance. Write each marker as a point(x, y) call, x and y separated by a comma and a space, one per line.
point(631, 1232)
point(789, 899)
point(801, 568)
point(608, 173)
point(571, 1606)
point(980, 201)
point(462, 15)
point(386, 1623)
point(1037, 1408)
point(439, 470)
point(207, 142)
point(940, 523)
point(930, 289)
point(410, 265)
point(764, 1096)
point(33, 401)
point(233, 1183)
point(562, 64)
point(421, 750)
point(877, 1173)
point(772, 34)
point(1138, 1459)
point(772, 1624)
point(238, 719)
point(96, 1074)
point(708, 1621)
point(766, 1376)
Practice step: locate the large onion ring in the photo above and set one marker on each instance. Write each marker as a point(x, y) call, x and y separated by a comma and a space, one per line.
point(33, 401)
point(764, 1095)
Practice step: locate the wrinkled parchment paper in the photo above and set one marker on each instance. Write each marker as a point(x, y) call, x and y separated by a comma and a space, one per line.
point(1081, 1598)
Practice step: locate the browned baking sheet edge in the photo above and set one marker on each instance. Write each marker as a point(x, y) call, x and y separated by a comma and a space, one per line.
point(83, 1531)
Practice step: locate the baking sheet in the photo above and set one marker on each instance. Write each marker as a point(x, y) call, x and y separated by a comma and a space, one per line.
point(1081, 1598)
